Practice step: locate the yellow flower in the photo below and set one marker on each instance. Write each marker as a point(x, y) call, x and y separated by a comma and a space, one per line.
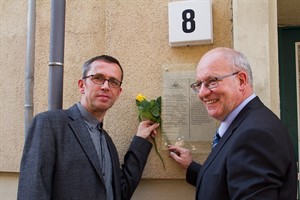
point(150, 110)
point(140, 97)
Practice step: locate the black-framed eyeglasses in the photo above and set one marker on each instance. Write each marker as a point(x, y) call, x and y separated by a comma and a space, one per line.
point(100, 80)
point(210, 83)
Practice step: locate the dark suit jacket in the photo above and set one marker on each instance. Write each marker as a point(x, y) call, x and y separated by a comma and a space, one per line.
point(253, 160)
point(60, 161)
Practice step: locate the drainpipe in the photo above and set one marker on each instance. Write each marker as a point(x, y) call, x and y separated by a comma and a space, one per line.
point(29, 69)
point(56, 61)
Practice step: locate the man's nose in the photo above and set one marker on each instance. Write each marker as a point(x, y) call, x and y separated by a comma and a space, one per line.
point(203, 91)
point(105, 84)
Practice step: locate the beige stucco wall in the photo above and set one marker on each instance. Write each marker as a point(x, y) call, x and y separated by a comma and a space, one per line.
point(255, 34)
point(12, 62)
point(135, 32)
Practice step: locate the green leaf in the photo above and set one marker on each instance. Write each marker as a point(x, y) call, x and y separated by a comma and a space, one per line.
point(141, 108)
point(158, 100)
point(155, 111)
point(145, 104)
point(152, 104)
point(146, 115)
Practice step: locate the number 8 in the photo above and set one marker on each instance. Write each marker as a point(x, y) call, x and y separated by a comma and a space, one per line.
point(188, 20)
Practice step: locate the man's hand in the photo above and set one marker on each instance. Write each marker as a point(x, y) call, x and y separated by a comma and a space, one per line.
point(182, 156)
point(147, 129)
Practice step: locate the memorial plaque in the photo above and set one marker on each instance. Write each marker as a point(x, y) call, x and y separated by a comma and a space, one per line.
point(185, 119)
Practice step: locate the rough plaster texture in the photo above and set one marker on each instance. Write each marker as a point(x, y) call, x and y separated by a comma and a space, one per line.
point(12, 59)
point(135, 32)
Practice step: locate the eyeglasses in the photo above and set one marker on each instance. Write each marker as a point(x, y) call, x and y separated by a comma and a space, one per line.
point(100, 80)
point(211, 83)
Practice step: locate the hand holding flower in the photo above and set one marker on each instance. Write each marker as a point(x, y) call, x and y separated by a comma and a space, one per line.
point(150, 111)
point(147, 129)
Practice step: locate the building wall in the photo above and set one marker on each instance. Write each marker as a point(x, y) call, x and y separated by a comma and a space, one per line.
point(135, 32)
point(255, 34)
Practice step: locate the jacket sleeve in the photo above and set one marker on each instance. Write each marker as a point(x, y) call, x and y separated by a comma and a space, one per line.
point(192, 173)
point(37, 161)
point(134, 163)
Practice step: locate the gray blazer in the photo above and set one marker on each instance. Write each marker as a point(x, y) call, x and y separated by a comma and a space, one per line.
point(60, 161)
point(253, 160)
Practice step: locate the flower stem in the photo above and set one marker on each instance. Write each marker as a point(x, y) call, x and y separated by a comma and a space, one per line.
point(155, 146)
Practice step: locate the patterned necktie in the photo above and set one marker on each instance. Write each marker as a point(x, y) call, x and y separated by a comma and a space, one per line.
point(216, 140)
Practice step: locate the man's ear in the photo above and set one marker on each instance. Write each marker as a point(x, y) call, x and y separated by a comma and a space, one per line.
point(243, 79)
point(81, 86)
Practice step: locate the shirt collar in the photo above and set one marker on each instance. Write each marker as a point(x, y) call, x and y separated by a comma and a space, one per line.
point(88, 118)
point(228, 120)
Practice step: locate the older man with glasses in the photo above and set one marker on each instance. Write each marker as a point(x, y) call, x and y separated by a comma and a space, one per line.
point(68, 154)
point(252, 155)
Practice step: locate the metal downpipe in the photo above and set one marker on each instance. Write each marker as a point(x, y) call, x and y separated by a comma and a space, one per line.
point(56, 61)
point(29, 69)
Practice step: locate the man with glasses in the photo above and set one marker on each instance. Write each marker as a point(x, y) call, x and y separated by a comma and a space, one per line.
point(68, 154)
point(252, 156)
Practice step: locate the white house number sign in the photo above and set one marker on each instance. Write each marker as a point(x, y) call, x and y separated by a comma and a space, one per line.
point(190, 23)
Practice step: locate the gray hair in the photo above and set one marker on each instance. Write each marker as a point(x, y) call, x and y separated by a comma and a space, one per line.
point(238, 60)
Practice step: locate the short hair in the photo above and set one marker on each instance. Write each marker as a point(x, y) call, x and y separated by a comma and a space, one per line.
point(109, 59)
point(238, 60)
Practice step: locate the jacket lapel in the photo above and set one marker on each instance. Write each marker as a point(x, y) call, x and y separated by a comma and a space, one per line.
point(252, 105)
point(214, 153)
point(81, 133)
